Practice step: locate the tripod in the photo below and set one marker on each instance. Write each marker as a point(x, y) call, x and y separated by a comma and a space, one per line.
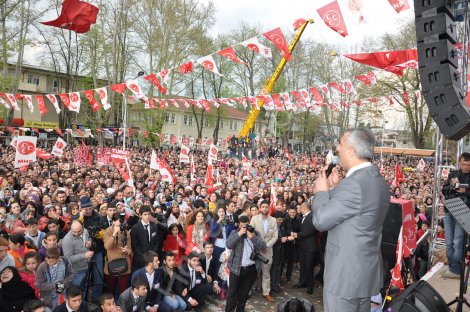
point(460, 211)
point(89, 273)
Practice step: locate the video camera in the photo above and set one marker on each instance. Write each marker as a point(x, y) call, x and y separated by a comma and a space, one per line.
point(257, 256)
point(250, 228)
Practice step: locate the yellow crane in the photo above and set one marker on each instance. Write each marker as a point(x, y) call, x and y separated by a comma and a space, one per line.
point(269, 85)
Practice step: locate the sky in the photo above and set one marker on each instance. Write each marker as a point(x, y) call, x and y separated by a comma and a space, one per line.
point(379, 15)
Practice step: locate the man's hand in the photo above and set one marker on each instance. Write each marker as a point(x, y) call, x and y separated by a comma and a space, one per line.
point(242, 231)
point(290, 238)
point(152, 309)
point(334, 178)
point(200, 270)
point(294, 235)
point(117, 308)
point(454, 181)
point(89, 254)
point(185, 292)
point(193, 302)
point(321, 184)
point(250, 235)
point(284, 239)
point(209, 278)
point(216, 289)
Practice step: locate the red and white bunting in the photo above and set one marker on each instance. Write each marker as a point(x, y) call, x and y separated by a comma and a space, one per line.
point(333, 18)
point(399, 5)
point(208, 63)
point(213, 152)
point(193, 169)
point(103, 93)
point(135, 88)
point(299, 22)
point(4, 103)
point(184, 154)
point(90, 134)
point(29, 102)
point(368, 78)
point(186, 68)
point(41, 105)
point(164, 75)
point(277, 37)
point(65, 98)
point(54, 101)
point(156, 82)
point(209, 181)
point(254, 45)
point(118, 88)
point(74, 102)
point(230, 54)
point(13, 102)
point(89, 94)
point(58, 148)
point(25, 151)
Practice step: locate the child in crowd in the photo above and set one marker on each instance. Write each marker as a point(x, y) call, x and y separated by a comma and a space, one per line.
point(28, 272)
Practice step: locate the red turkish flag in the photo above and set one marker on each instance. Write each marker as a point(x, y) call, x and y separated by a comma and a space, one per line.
point(65, 99)
point(154, 80)
point(41, 105)
point(230, 54)
point(186, 68)
point(89, 94)
point(398, 176)
point(399, 5)
point(119, 88)
point(299, 22)
point(333, 18)
point(76, 15)
point(277, 37)
point(391, 61)
point(59, 132)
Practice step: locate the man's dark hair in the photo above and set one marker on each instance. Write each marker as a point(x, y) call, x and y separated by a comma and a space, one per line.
point(264, 202)
point(465, 156)
point(149, 256)
point(49, 234)
point(198, 203)
point(207, 243)
point(33, 305)
point(139, 281)
point(104, 297)
point(294, 305)
point(168, 254)
point(53, 252)
point(72, 291)
point(144, 208)
point(193, 254)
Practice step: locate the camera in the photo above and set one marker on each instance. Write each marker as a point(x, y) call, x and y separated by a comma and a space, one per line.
point(250, 228)
point(59, 287)
point(93, 231)
point(159, 216)
point(257, 256)
point(227, 220)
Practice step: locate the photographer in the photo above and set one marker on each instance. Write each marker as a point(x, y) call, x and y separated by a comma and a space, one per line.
point(53, 276)
point(117, 242)
point(245, 246)
point(454, 232)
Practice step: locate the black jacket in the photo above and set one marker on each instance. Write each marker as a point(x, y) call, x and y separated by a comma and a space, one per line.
point(140, 241)
point(307, 237)
point(63, 308)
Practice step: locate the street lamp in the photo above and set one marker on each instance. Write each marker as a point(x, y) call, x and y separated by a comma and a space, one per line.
point(124, 113)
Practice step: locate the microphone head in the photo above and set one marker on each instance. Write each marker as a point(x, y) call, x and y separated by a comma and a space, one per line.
point(335, 160)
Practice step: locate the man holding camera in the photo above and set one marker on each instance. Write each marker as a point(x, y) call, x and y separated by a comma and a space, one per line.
point(454, 232)
point(245, 244)
point(53, 276)
point(266, 226)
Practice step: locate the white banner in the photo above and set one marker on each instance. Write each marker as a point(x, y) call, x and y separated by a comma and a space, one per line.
point(58, 148)
point(184, 154)
point(74, 102)
point(25, 151)
point(213, 152)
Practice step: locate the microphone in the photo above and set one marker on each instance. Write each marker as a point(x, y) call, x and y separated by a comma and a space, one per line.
point(333, 163)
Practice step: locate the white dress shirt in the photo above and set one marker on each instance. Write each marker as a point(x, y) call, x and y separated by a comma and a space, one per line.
point(357, 167)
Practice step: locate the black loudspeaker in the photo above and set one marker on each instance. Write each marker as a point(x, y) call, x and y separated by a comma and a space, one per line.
point(419, 296)
point(392, 224)
point(438, 67)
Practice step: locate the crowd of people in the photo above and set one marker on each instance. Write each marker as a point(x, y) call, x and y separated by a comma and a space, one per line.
point(71, 234)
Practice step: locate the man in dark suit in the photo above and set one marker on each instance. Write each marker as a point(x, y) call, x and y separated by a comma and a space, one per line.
point(144, 237)
point(195, 289)
point(278, 252)
point(352, 210)
point(210, 267)
point(154, 275)
point(307, 241)
point(73, 301)
point(291, 224)
point(133, 298)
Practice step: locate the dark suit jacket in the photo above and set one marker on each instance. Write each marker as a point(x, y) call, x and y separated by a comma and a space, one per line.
point(184, 272)
point(291, 225)
point(212, 268)
point(63, 308)
point(126, 302)
point(154, 296)
point(307, 236)
point(140, 241)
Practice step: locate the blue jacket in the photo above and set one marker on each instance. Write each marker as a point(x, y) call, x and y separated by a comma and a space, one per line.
point(216, 230)
point(155, 294)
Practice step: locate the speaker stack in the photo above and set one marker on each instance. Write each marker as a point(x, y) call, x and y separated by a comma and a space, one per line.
point(438, 67)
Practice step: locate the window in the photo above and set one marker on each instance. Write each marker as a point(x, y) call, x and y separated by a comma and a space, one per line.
point(33, 79)
point(166, 117)
point(187, 120)
point(172, 118)
point(233, 125)
point(55, 84)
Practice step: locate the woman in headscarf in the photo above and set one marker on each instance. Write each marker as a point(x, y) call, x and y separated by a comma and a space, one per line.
point(14, 292)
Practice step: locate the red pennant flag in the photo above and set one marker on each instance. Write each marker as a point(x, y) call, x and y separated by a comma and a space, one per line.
point(42, 154)
point(76, 15)
point(65, 99)
point(338, 86)
point(186, 68)
point(119, 88)
point(406, 97)
point(154, 80)
point(41, 105)
point(209, 181)
point(230, 54)
point(333, 18)
point(146, 134)
point(299, 22)
point(398, 176)
point(391, 61)
point(277, 37)
point(12, 130)
point(399, 5)
point(95, 105)
point(35, 130)
point(272, 201)
point(316, 95)
point(80, 133)
point(368, 79)
point(59, 132)
point(19, 96)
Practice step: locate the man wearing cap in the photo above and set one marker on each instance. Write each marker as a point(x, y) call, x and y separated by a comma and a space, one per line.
point(33, 234)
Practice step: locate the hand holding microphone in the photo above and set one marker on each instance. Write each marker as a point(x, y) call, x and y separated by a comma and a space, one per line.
point(328, 177)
